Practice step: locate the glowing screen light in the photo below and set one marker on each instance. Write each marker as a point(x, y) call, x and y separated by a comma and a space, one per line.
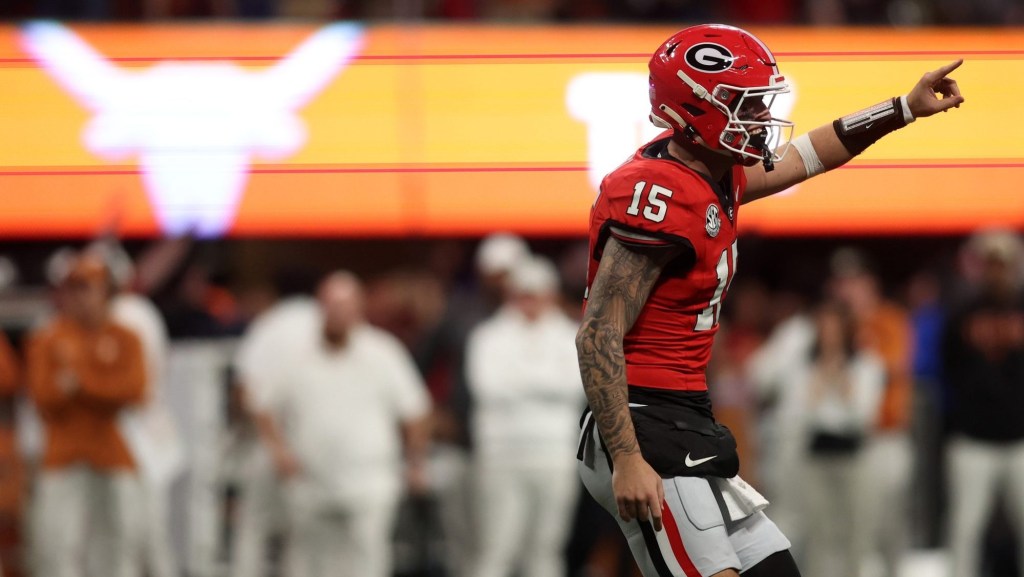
point(193, 126)
point(293, 130)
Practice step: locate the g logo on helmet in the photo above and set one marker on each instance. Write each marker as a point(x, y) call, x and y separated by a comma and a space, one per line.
point(709, 57)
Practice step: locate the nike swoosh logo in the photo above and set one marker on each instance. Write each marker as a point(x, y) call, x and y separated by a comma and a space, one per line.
point(691, 463)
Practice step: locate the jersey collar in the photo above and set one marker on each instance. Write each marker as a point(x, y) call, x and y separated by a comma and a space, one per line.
point(658, 150)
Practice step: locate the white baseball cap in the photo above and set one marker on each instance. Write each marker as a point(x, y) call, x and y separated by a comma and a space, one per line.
point(533, 275)
point(1001, 244)
point(499, 252)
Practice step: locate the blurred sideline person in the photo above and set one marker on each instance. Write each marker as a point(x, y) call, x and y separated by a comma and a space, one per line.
point(84, 371)
point(732, 388)
point(149, 429)
point(927, 312)
point(442, 359)
point(887, 461)
point(663, 245)
point(12, 469)
point(983, 352)
point(290, 325)
point(841, 384)
point(782, 425)
point(335, 420)
point(525, 386)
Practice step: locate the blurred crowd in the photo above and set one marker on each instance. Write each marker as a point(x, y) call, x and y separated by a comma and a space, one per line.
point(751, 12)
point(419, 418)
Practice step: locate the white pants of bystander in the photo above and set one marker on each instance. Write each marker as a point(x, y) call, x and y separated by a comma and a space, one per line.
point(831, 515)
point(84, 518)
point(978, 471)
point(883, 500)
point(260, 509)
point(523, 518)
point(333, 540)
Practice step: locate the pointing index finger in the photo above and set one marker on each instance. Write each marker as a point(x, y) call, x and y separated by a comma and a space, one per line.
point(945, 70)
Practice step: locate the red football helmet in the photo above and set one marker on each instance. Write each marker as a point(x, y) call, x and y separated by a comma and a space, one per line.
point(714, 85)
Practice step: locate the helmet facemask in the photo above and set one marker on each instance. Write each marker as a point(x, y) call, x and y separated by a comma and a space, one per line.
point(751, 133)
point(750, 140)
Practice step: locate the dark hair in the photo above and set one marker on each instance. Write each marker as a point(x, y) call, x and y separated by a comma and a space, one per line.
point(848, 261)
point(849, 328)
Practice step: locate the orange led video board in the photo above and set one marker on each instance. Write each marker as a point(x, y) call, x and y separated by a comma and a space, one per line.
point(346, 130)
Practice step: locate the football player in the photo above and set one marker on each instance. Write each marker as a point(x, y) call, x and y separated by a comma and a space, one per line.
point(663, 253)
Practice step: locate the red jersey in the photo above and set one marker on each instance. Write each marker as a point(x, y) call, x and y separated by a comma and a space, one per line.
point(653, 199)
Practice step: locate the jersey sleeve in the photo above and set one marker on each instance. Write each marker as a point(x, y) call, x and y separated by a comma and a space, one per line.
point(647, 205)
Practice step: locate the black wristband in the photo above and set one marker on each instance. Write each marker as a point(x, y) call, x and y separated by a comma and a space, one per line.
point(861, 129)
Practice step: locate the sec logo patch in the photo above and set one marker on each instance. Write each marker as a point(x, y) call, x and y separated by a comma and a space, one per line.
point(712, 221)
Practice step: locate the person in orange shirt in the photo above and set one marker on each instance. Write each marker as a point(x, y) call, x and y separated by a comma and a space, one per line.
point(149, 428)
point(886, 466)
point(83, 370)
point(10, 371)
point(11, 469)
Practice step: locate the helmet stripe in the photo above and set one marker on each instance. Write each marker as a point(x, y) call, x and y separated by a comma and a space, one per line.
point(775, 65)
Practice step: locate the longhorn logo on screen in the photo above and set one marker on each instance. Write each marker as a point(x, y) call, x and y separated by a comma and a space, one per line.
point(194, 127)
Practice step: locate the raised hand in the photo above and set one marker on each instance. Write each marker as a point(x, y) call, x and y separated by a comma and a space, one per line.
point(923, 99)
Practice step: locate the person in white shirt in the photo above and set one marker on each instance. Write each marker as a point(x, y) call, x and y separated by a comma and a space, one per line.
point(444, 353)
point(335, 417)
point(781, 434)
point(151, 433)
point(288, 326)
point(840, 385)
point(149, 429)
point(525, 387)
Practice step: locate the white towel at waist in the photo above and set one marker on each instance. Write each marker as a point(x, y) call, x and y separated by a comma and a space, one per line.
point(740, 499)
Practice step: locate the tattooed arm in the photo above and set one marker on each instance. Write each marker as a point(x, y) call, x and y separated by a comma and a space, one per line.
point(624, 280)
